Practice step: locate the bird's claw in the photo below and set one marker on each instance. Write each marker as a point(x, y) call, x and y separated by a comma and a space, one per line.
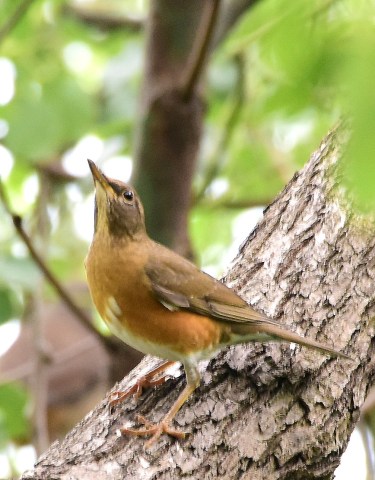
point(147, 381)
point(119, 396)
point(153, 429)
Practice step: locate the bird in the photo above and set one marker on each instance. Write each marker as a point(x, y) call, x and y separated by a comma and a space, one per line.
point(162, 304)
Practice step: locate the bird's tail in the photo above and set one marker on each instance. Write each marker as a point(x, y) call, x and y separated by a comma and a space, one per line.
point(246, 324)
point(279, 333)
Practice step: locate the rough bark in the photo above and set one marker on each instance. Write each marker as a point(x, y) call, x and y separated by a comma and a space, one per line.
point(263, 411)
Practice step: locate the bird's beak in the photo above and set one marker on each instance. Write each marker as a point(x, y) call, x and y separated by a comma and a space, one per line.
point(100, 178)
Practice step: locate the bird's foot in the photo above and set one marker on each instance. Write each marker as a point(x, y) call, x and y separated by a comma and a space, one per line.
point(147, 381)
point(153, 429)
point(120, 396)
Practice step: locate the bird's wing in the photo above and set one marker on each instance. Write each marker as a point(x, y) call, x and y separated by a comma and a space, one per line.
point(179, 284)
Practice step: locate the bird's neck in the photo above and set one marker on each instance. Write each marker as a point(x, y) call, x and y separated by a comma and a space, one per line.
point(104, 239)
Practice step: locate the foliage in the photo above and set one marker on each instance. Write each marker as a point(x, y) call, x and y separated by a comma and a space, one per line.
point(13, 420)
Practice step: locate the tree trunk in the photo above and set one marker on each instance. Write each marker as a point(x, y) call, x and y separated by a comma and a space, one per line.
point(170, 120)
point(169, 127)
point(263, 411)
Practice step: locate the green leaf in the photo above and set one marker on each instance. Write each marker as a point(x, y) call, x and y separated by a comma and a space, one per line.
point(6, 305)
point(13, 420)
point(205, 223)
point(48, 118)
point(21, 272)
point(360, 101)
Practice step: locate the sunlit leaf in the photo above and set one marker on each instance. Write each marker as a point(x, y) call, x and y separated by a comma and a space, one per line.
point(14, 424)
point(21, 272)
point(56, 115)
point(211, 233)
point(6, 305)
point(359, 98)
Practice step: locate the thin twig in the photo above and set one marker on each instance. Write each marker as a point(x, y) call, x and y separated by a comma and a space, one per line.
point(228, 204)
point(216, 160)
point(24, 370)
point(266, 28)
point(61, 291)
point(229, 16)
point(106, 19)
point(39, 378)
point(13, 20)
point(39, 356)
point(200, 49)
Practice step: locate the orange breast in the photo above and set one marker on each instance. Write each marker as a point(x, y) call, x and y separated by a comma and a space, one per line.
point(122, 294)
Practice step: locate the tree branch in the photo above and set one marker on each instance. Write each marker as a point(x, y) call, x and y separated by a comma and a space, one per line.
point(262, 411)
point(229, 204)
point(230, 13)
point(215, 162)
point(105, 19)
point(39, 357)
point(12, 21)
point(50, 277)
point(311, 13)
point(200, 49)
point(169, 128)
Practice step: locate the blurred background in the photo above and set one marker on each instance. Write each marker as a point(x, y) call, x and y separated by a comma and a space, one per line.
point(208, 108)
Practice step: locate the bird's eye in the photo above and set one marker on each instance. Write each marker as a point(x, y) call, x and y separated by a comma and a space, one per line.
point(128, 195)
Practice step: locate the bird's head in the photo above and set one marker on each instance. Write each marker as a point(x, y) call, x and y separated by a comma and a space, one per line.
point(118, 209)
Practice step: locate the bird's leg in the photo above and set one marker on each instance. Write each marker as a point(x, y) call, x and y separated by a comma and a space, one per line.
point(146, 381)
point(157, 429)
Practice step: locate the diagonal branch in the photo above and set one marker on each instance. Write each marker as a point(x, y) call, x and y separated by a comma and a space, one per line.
point(61, 291)
point(262, 411)
point(240, 204)
point(12, 21)
point(215, 162)
point(105, 19)
point(200, 49)
point(230, 14)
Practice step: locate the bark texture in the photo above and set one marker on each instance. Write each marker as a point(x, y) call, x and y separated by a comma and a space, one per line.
point(263, 411)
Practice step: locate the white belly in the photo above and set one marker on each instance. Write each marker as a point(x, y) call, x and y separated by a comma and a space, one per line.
point(112, 314)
